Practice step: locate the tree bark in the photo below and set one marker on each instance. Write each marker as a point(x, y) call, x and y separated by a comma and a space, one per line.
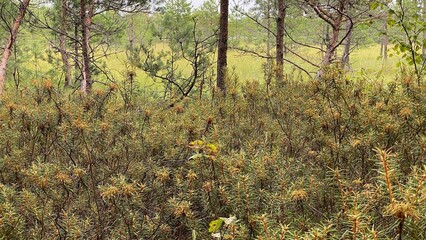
point(269, 61)
point(385, 42)
point(334, 38)
point(62, 43)
point(268, 25)
point(86, 14)
point(222, 45)
point(77, 68)
point(11, 41)
point(131, 33)
point(280, 42)
point(346, 52)
point(334, 19)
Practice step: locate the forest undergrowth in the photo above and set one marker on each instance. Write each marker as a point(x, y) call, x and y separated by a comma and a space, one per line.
point(324, 159)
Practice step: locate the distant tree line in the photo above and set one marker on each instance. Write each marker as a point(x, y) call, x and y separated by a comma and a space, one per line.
point(81, 33)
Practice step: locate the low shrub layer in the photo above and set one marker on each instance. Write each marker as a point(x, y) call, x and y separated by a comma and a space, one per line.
point(329, 159)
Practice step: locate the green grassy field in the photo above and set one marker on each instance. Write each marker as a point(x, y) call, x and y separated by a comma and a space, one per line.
point(364, 65)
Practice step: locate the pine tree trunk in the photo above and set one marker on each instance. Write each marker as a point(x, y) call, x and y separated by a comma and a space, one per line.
point(334, 38)
point(268, 25)
point(222, 45)
point(269, 68)
point(131, 33)
point(86, 22)
point(62, 44)
point(77, 68)
point(326, 40)
point(346, 53)
point(331, 48)
point(280, 42)
point(385, 40)
point(11, 41)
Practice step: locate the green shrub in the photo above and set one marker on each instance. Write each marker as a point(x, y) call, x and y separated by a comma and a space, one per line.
point(290, 162)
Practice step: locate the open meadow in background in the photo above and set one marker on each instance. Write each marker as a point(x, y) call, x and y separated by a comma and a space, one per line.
point(270, 120)
point(365, 65)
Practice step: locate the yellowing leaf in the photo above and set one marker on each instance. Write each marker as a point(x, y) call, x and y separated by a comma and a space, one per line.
point(196, 144)
point(214, 225)
point(211, 149)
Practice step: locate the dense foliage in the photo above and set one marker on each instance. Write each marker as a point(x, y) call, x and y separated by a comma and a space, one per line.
point(125, 132)
point(329, 159)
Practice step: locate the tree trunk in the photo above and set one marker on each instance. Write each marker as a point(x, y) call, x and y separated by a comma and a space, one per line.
point(77, 68)
point(62, 43)
point(11, 41)
point(331, 48)
point(326, 39)
point(222, 45)
point(86, 22)
point(346, 53)
point(269, 68)
point(336, 23)
point(131, 33)
point(385, 41)
point(268, 25)
point(280, 42)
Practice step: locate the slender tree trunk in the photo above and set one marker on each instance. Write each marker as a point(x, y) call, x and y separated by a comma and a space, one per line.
point(326, 39)
point(331, 48)
point(62, 43)
point(385, 41)
point(86, 22)
point(11, 41)
point(280, 42)
point(131, 33)
point(346, 52)
point(334, 39)
point(268, 25)
point(222, 45)
point(77, 69)
point(269, 68)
